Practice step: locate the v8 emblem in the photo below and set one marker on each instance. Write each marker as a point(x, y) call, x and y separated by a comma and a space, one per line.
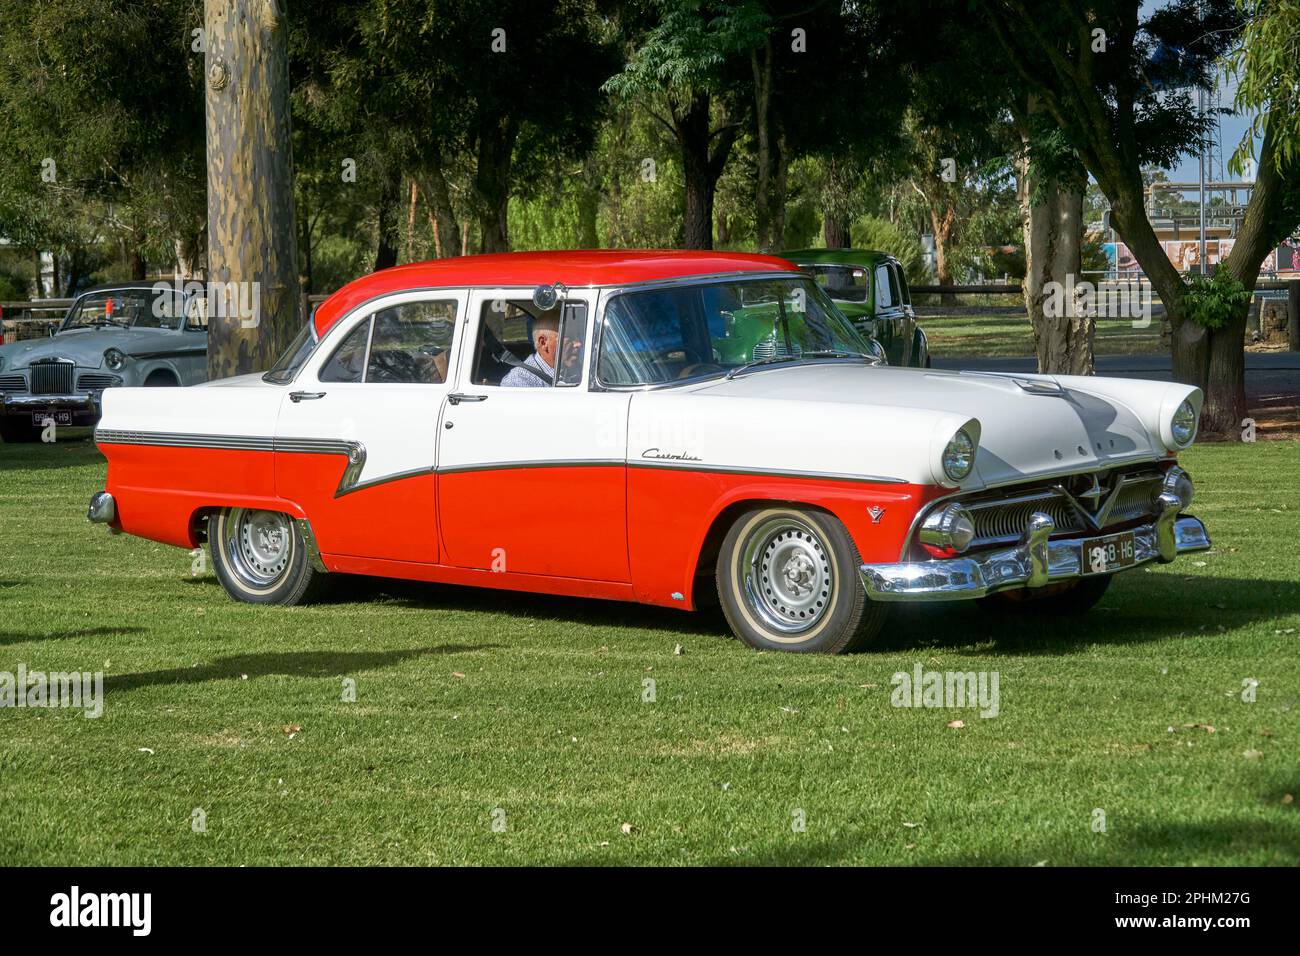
point(876, 513)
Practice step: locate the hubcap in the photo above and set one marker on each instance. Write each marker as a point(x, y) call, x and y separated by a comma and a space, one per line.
point(258, 545)
point(787, 573)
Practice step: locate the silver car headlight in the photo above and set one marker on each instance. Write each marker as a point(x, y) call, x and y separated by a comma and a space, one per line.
point(1183, 425)
point(114, 358)
point(959, 456)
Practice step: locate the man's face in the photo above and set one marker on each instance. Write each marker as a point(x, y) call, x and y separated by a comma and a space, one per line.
point(546, 343)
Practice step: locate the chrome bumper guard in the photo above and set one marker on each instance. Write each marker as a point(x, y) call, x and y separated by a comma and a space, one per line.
point(103, 508)
point(1034, 562)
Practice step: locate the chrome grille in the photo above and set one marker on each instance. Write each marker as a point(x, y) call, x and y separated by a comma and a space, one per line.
point(1001, 517)
point(52, 378)
point(1005, 520)
point(1136, 500)
point(12, 383)
point(95, 381)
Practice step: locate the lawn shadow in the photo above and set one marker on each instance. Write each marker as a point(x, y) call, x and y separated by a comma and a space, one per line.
point(292, 664)
point(537, 607)
point(15, 637)
point(69, 451)
point(1138, 608)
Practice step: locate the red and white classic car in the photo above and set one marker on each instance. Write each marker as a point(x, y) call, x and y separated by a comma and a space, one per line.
point(699, 420)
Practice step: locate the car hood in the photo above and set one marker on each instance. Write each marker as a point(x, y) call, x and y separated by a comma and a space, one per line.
point(1030, 426)
point(86, 347)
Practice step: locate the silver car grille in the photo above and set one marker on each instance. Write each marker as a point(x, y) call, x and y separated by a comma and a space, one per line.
point(52, 378)
point(1001, 518)
point(96, 381)
point(13, 383)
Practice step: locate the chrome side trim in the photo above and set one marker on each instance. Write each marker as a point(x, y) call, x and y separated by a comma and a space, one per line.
point(1034, 562)
point(396, 476)
point(553, 463)
point(354, 451)
point(766, 472)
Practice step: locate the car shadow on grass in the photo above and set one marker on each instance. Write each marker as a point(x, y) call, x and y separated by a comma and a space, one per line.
point(588, 612)
point(16, 637)
point(1138, 608)
point(288, 664)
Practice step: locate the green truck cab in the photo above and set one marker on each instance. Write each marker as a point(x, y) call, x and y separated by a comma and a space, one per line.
point(870, 288)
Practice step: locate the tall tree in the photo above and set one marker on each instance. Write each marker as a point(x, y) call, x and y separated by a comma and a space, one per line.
point(1118, 87)
point(252, 236)
point(683, 64)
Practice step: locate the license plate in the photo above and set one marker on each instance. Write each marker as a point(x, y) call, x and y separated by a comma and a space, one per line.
point(1109, 553)
point(61, 416)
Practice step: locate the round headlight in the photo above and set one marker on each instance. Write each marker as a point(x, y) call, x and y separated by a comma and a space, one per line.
point(959, 456)
point(1183, 426)
point(114, 359)
point(947, 531)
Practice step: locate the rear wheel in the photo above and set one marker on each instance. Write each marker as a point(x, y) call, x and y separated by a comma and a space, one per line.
point(1066, 599)
point(788, 580)
point(261, 557)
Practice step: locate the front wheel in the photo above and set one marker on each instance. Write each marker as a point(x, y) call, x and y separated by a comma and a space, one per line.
point(261, 557)
point(788, 581)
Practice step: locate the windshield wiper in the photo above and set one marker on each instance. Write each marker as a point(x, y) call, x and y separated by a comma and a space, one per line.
point(770, 360)
point(836, 353)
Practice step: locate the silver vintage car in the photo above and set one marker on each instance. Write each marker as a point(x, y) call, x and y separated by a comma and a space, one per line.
point(126, 334)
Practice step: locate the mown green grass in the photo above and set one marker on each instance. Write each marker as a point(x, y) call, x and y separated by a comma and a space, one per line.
point(1008, 336)
point(468, 701)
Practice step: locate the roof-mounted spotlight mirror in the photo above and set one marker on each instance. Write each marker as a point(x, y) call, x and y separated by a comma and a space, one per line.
point(545, 296)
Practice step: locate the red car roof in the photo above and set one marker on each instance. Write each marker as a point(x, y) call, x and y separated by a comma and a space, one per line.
point(574, 268)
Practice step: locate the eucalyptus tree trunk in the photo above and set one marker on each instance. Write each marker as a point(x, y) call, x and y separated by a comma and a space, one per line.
point(836, 231)
point(253, 302)
point(1053, 228)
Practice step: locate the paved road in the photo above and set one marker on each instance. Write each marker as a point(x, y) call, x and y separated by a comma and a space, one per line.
point(1135, 366)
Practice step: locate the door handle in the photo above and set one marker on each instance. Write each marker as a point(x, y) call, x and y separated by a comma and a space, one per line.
point(296, 397)
point(456, 398)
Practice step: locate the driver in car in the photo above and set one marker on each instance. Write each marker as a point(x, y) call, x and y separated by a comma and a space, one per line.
point(546, 337)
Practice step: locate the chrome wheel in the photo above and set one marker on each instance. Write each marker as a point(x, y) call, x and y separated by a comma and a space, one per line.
point(788, 581)
point(258, 546)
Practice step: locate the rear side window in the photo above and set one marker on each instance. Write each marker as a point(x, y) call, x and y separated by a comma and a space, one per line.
point(904, 294)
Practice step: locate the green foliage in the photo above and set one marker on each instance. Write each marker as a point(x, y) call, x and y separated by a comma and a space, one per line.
point(872, 232)
point(1266, 66)
point(1212, 301)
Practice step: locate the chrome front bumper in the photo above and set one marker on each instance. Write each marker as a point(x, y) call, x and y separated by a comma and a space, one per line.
point(21, 403)
point(1034, 562)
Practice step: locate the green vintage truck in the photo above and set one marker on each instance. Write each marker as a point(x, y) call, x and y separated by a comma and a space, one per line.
point(870, 288)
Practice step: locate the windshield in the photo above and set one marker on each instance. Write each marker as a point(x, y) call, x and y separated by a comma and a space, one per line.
point(846, 283)
point(286, 367)
point(127, 308)
point(668, 335)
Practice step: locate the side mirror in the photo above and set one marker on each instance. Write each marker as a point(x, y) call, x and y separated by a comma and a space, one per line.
point(545, 296)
